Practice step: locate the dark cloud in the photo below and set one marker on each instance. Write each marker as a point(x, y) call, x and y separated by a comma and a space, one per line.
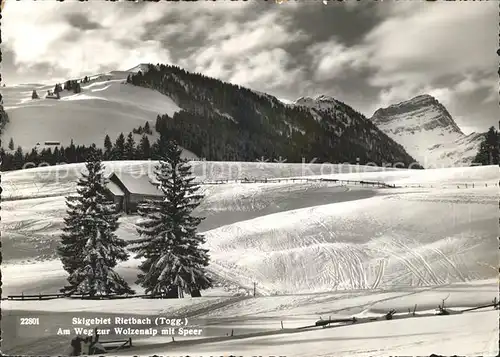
point(82, 22)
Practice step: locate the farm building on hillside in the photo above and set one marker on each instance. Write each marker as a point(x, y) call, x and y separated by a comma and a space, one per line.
point(127, 191)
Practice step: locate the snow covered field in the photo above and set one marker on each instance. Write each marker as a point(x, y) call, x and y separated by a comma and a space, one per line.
point(378, 248)
point(256, 323)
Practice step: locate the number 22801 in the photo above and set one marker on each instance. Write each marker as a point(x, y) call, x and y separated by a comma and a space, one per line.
point(30, 321)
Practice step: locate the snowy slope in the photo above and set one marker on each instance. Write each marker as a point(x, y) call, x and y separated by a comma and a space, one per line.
point(477, 332)
point(339, 237)
point(383, 248)
point(106, 105)
point(428, 132)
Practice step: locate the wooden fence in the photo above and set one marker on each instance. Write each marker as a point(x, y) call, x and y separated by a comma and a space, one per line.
point(26, 297)
point(34, 297)
point(301, 180)
point(116, 344)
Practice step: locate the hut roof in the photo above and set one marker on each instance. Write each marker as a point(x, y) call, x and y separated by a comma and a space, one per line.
point(114, 189)
point(138, 184)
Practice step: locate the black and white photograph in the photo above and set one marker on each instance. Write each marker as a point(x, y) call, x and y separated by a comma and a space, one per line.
point(250, 178)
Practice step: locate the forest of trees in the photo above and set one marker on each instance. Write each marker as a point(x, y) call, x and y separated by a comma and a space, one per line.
point(4, 117)
point(123, 148)
point(488, 153)
point(222, 121)
point(174, 260)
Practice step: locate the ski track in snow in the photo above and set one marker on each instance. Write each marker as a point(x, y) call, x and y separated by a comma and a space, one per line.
point(357, 244)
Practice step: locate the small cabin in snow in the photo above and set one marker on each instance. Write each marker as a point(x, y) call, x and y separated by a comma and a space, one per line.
point(128, 190)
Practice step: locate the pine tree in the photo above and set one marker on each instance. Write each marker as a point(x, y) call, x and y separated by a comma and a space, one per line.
point(18, 159)
point(160, 147)
point(144, 149)
point(89, 248)
point(488, 153)
point(147, 129)
point(34, 95)
point(158, 124)
point(11, 144)
point(174, 261)
point(108, 146)
point(129, 147)
point(119, 148)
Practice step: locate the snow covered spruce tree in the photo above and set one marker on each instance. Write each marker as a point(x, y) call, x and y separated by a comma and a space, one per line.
point(175, 261)
point(89, 248)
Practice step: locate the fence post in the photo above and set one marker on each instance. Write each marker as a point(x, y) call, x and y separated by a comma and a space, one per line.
point(282, 325)
point(22, 295)
point(232, 332)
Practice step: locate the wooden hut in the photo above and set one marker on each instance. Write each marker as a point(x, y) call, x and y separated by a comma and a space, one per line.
point(128, 190)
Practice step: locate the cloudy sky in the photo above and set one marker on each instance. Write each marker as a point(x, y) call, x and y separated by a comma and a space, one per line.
point(366, 54)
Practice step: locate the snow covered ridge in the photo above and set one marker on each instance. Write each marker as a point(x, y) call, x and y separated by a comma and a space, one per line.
point(425, 128)
point(143, 67)
point(320, 102)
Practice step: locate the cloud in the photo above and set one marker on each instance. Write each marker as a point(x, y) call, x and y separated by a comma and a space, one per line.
point(82, 22)
point(249, 53)
point(50, 32)
point(332, 59)
point(422, 42)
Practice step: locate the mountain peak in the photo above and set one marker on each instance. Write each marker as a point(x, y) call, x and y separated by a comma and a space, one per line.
point(427, 131)
point(424, 108)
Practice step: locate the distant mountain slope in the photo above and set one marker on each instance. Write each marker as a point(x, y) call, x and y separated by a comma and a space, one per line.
point(427, 131)
point(221, 121)
point(106, 105)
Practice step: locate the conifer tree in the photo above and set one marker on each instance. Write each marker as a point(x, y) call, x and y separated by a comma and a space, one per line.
point(488, 153)
point(158, 124)
point(89, 248)
point(34, 95)
point(147, 129)
point(108, 146)
point(119, 149)
point(175, 261)
point(11, 144)
point(144, 149)
point(18, 159)
point(129, 147)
